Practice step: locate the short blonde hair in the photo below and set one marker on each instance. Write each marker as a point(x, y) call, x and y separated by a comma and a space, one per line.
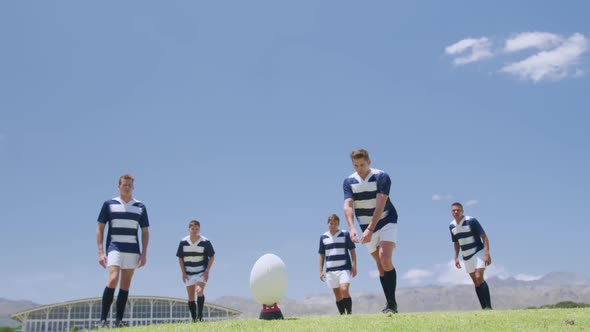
point(334, 217)
point(126, 177)
point(359, 154)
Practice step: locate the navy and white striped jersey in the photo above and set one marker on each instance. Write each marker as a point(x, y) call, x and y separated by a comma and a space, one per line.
point(335, 248)
point(468, 234)
point(195, 255)
point(124, 220)
point(364, 196)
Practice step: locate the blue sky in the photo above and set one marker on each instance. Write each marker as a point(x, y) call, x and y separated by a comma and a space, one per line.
point(243, 114)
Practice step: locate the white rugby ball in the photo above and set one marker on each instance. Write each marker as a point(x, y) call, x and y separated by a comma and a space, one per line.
point(268, 279)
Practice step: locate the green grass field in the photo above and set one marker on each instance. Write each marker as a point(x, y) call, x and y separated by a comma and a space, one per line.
point(496, 320)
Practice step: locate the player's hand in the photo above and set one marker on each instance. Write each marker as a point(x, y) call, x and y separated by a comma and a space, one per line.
point(184, 277)
point(487, 259)
point(206, 276)
point(367, 235)
point(354, 235)
point(457, 263)
point(142, 261)
point(353, 271)
point(322, 276)
point(102, 260)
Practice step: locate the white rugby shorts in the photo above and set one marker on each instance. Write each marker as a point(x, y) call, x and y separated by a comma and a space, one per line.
point(335, 278)
point(475, 262)
point(386, 233)
point(123, 260)
point(195, 279)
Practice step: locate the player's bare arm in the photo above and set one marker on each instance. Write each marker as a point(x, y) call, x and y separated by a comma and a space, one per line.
point(184, 275)
point(353, 258)
point(381, 200)
point(486, 248)
point(145, 239)
point(322, 273)
point(457, 263)
point(206, 272)
point(349, 215)
point(102, 259)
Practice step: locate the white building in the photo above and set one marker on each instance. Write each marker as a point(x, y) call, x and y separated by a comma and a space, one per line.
point(140, 310)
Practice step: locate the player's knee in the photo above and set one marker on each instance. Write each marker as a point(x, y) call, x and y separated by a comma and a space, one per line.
point(112, 281)
point(386, 263)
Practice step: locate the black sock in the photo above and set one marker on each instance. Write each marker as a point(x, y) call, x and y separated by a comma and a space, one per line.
point(200, 303)
point(348, 304)
point(485, 294)
point(121, 302)
point(480, 297)
point(192, 307)
point(340, 305)
point(107, 299)
point(383, 285)
point(391, 284)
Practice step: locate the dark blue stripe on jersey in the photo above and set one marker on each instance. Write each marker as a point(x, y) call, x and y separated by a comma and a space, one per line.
point(208, 252)
point(107, 216)
point(383, 184)
point(391, 218)
point(132, 248)
point(336, 257)
point(475, 231)
point(470, 246)
point(124, 231)
point(335, 246)
point(364, 212)
point(346, 246)
point(202, 263)
point(364, 196)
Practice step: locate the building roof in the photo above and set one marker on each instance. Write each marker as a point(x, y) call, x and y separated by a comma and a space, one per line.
point(21, 315)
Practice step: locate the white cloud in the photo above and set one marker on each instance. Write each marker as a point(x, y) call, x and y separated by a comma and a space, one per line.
point(527, 277)
point(448, 274)
point(416, 276)
point(437, 197)
point(538, 40)
point(554, 64)
point(479, 49)
point(471, 202)
point(556, 57)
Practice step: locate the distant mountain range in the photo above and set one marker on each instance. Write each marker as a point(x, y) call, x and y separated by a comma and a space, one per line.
point(8, 307)
point(550, 279)
point(507, 293)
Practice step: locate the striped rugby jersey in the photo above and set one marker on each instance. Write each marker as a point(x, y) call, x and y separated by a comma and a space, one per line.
point(364, 196)
point(195, 255)
point(124, 221)
point(335, 248)
point(468, 233)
